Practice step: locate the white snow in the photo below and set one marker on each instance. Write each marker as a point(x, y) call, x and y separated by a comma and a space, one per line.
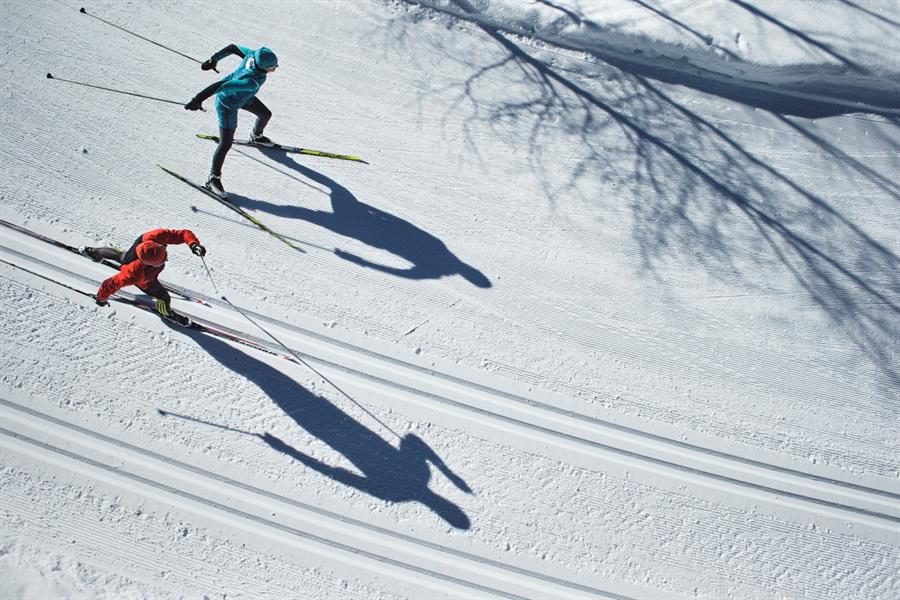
point(611, 312)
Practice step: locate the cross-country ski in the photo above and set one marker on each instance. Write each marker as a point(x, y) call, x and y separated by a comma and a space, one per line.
point(233, 207)
point(283, 148)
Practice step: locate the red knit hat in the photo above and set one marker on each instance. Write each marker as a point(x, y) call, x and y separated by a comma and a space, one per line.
point(151, 253)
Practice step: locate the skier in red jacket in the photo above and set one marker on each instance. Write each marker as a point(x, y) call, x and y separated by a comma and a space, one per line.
point(141, 265)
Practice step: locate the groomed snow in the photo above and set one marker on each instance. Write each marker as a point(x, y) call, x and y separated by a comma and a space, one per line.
point(612, 310)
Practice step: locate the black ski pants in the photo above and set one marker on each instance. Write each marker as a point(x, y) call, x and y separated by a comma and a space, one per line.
point(226, 136)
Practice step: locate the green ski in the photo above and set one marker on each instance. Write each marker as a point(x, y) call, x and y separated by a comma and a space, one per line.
point(233, 207)
point(290, 149)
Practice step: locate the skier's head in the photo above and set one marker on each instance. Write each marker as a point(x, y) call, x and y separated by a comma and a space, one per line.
point(265, 59)
point(151, 254)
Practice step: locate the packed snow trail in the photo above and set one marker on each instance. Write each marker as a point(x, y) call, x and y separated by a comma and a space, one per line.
point(543, 419)
point(410, 390)
point(637, 339)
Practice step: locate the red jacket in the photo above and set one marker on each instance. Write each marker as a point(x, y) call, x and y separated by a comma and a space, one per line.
point(139, 274)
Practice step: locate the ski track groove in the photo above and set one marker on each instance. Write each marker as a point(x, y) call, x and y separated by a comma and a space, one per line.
point(806, 566)
point(438, 396)
point(612, 505)
point(113, 546)
point(626, 332)
point(266, 522)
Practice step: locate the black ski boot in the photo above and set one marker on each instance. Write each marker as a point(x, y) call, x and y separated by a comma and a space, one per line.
point(261, 140)
point(179, 319)
point(89, 252)
point(214, 184)
point(166, 312)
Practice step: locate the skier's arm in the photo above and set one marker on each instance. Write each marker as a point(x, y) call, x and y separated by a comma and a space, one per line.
point(123, 278)
point(197, 101)
point(226, 51)
point(171, 236)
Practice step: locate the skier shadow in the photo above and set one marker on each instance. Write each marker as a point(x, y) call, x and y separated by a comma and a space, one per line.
point(388, 473)
point(429, 256)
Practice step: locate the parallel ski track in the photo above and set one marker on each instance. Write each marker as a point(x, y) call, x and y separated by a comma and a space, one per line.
point(712, 466)
point(262, 494)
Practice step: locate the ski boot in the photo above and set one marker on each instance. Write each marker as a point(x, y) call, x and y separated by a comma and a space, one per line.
point(261, 140)
point(170, 315)
point(89, 252)
point(179, 319)
point(214, 184)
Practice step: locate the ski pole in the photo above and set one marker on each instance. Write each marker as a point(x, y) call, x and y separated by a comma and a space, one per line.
point(100, 87)
point(142, 37)
point(168, 413)
point(50, 279)
point(209, 274)
point(294, 354)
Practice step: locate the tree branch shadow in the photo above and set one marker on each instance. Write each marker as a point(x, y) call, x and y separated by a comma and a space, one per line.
point(711, 199)
point(804, 90)
point(807, 39)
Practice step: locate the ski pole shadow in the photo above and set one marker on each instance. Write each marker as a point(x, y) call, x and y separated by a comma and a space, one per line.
point(391, 474)
point(430, 258)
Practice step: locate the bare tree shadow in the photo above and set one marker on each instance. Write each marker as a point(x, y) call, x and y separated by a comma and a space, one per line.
point(387, 473)
point(871, 13)
point(430, 258)
point(800, 35)
point(683, 26)
point(700, 196)
point(809, 90)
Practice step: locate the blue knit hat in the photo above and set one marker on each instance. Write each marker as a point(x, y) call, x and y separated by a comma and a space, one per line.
point(265, 58)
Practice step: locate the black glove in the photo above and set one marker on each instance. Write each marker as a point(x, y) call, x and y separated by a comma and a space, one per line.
point(194, 104)
point(198, 249)
point(99, 301)
point(208, 65)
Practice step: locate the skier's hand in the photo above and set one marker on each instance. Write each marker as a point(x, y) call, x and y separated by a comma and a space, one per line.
point(208, 65)
point(194, 104)
point(99, 302)
point(198, 249)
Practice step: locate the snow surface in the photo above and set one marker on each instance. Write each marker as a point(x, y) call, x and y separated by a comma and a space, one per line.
point(611, 312)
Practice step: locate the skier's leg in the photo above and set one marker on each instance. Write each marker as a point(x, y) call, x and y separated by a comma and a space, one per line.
point(263, 114)
point(164, 304)
point(163, 299)
point(108, 253)
point(228, 120)
point(226, 137)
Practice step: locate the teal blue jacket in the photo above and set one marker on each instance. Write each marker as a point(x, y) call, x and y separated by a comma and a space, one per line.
point(241, 86)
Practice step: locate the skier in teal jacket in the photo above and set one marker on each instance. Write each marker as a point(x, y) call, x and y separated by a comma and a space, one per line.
point(234, 92)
